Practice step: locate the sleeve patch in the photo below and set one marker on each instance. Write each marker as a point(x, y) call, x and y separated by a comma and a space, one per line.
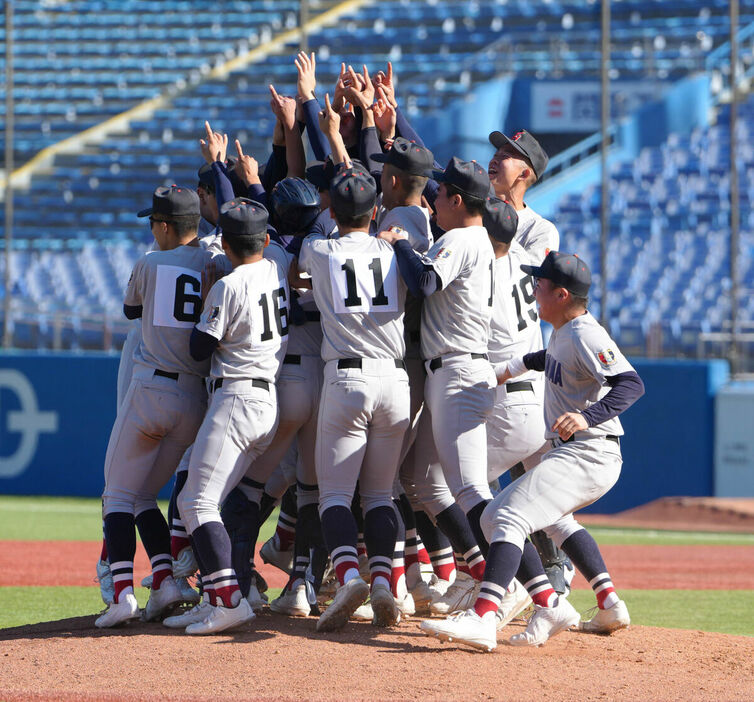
point(606, 358)
point(442, 253)
point(214, 314)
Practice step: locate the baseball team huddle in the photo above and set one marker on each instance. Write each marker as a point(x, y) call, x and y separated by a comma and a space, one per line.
point(359, 337)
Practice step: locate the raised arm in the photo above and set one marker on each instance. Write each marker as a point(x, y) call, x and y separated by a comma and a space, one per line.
point(284, 109)
point(329, 123)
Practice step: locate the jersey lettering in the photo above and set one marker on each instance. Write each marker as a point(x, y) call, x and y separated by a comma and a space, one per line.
point(553, 370)
point(177, 298)
point(526, 285)
point(279, 311)
point(363, 282)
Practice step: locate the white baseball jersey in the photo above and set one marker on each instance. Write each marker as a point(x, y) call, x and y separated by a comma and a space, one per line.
point(580, 356)
point(359, 293)
point(536, 234)
point(168, 286)
point(514, 328)
point(247, 311)
point(457, 317)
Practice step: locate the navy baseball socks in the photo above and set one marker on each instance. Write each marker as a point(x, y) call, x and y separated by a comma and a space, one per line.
point(612, 613)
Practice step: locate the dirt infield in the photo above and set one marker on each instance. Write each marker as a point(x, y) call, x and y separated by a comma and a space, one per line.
point(275, 658)
point(645, 567)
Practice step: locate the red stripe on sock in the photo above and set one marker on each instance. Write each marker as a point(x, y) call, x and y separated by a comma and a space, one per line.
point(103, 552)
point(601, 595)
point(343, 566)
point(285, 537)
point(422, 555)
point(395, 576)
point(483, 605)
point(177, 544)
point(546, 598)
point(121, 585)
point(159, 576)
point(225, 594)
point(444, 571)
point(477, 571)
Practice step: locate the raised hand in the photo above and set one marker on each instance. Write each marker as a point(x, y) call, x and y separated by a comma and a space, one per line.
point(385, 117)
point(387, 83)
point(215, 147)
point(339, 95)
point(359, 90)
point(307, 81)
point(329, 119)
point(246, 168)
point(284, 108)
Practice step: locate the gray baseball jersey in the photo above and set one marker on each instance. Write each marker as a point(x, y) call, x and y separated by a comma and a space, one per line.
point(514, 328)
point(247, 311)
point(457, 317)
point(168, 286)
point(536, 234)
point(580, 356)
point(359, 293)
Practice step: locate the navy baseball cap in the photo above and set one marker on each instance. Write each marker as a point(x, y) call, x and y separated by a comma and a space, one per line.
point(526, 145)
point(243, 217)
point(467, 176)
point(500, 220)
point(564, 270)
point(353, 192)
point(407, 156)
point(205, 177)
point(320, 173)
point(172, 201)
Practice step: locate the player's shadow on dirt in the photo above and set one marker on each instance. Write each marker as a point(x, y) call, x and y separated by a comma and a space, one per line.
point(83, 628)
point(403, 639)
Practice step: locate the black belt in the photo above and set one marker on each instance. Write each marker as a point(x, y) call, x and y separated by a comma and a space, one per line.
point(293, 358)
point(436, 363)
point(414, 337)
point(255, 383)
point(166, 374)
point(609, 437)
point(311, 316)
point(356, 363)
point(519, 386)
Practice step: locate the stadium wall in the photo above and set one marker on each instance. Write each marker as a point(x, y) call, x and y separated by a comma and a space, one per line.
point(56, 412)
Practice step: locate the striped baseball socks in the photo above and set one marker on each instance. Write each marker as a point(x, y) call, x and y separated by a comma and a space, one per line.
point(531, 574)
point(502, 562)
point(120, 534)
point(583, 551)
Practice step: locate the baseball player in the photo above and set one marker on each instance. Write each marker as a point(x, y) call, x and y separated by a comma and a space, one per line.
point(243, 328)
point(364, 407)
point(163, 407)
point(517, 165)
point(588, 384)
point(458, 289)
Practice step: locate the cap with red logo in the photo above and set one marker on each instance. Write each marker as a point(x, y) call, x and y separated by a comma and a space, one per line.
point(172, 201)
point(565, 271)
point(525, 144)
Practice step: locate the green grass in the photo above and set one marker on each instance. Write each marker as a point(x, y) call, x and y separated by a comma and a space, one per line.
point(662, 537)
point(726, 612)
point(65, 519)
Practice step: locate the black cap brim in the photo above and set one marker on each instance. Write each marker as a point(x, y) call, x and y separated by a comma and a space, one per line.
point(502, 140)
point(144, 213)
point(380, 157)
point(532, 270)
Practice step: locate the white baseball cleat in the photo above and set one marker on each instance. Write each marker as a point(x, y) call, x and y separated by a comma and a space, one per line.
point(105, 579)
point(222, 618)
point(466, 628)
point(364, 613)
point(256, 600)
point(162, 601)
point(188, 593)
point(195, 614)
point(459, 596)
point(546, 623)
point(347, 599)
point(272, 553)
point(119, 612)
point(513, 603)
point(422, 595)
point(293, 602)
point(185, 565)
point(384, 607)
point(606, 621)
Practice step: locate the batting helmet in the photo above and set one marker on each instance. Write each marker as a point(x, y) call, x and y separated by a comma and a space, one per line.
point(294, 204)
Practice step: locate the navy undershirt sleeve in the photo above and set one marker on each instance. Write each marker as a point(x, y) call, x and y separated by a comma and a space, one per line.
point(421, 279)
point(257, 193)
point(223, 186)
point(276, 168)
point(625, 389)
point(320, 145)
point(369, 145)
point(201, 344)
point(132, 311)
point(535, 361)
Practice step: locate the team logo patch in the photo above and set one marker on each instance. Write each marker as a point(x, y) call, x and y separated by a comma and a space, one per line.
point(606, 357)
point(443, 253)
point(214, 314)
